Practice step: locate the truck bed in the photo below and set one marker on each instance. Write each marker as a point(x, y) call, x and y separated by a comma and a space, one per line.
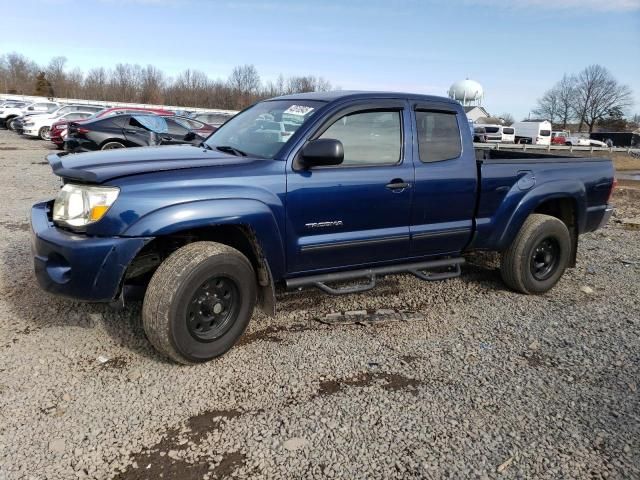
point(514, 181)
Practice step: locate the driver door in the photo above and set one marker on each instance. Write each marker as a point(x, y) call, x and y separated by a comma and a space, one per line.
point(358, 212)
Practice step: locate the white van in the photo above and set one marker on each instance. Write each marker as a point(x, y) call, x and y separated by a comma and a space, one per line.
point(494, 132)
point(536, 133)
point(508, 134)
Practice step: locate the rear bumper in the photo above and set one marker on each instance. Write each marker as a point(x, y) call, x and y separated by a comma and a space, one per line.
point(75, 145)
point(606, 216)
point(76, 265)
point(597, 217)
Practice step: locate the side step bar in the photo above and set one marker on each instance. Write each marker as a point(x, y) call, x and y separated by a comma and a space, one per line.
point(418, 269)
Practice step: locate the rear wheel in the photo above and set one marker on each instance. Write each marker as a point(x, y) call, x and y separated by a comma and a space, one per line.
point(112, 145)
point(199, 302)
point(538, 256)
point(44, 133)
point(9, 124)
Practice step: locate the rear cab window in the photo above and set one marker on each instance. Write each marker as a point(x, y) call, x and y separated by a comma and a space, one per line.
point(438, 136)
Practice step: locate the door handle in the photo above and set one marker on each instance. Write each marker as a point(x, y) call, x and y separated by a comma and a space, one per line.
point(131, 131)
point(397, 184)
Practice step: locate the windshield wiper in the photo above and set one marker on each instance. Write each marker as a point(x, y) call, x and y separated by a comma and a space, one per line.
point(206, 146)
point(232, 150)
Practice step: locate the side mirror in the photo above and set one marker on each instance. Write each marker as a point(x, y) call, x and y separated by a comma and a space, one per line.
point(31, 108)
point(322, 151)
point(189, 137)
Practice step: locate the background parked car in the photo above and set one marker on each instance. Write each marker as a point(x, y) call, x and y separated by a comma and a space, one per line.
point(12, 111)
point(212, 118)
point(122, 131)
point(559, 137)
point(508, 134)
point(58, 132)
point(617, 139)
point(479, 135)
point(201, 128)
point(493, 132)
point(533, 132)
point(577, 141)
point(49, 118)
point(39, 125)
point(108, 112)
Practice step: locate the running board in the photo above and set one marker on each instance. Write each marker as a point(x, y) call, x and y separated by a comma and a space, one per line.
point(419, 269)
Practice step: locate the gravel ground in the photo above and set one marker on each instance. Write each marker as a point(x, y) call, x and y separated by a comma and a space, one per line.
point(486, 384)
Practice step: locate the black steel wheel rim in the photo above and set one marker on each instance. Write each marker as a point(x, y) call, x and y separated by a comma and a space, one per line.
point(545, 259)
point(213, 309)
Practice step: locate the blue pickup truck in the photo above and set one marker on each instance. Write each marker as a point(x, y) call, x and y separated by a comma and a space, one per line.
point(327, 190)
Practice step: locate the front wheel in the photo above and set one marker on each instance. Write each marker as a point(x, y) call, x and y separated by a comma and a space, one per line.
point(538, 256)
point(199, 302)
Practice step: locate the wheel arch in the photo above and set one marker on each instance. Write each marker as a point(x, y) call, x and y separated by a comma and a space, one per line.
point(565, 200)
point(246, 225)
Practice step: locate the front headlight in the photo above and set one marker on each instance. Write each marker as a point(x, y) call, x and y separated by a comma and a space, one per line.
point(80, 205)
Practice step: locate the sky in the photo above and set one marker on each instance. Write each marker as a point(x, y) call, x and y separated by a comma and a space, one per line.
point(516, 49)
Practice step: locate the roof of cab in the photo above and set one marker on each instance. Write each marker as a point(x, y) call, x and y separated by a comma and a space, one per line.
point(357, 94)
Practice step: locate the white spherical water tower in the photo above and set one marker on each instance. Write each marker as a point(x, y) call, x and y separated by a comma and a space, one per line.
point(467, 92)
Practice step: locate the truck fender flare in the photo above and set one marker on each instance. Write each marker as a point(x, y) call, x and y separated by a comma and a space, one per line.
point(558, 189)
point(252, 214)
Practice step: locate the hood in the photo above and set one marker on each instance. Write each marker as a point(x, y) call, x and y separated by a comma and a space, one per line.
point(98, 167)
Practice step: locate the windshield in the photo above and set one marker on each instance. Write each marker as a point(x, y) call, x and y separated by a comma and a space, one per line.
point(263, 129)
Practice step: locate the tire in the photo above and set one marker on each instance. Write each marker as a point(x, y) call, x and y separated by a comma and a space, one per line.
point(43, 133)
point(176, 293)
point(538, 256)
point(568, 144)
point(9, 124)
point(112, 145)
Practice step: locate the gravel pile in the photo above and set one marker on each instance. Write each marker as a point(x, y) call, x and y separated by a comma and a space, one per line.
point(482, 383)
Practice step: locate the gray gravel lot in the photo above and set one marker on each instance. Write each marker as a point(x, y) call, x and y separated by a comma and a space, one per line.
point(488, 384)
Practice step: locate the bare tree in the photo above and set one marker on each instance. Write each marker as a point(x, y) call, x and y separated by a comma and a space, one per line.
point(19, 73)
point(74, 84)
point(95, 84)
point(507, 119)
point(244, 82)
point(151, 85)
point(598, 95)
point(548, 106)
point(132, 83)
point(245, 79)
point(567, 94)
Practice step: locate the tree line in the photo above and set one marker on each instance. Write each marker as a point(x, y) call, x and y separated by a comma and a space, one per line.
point(139, 84)
point(592, 97)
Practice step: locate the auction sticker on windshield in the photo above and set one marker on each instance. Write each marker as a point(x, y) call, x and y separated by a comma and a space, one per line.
point(298, 110)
